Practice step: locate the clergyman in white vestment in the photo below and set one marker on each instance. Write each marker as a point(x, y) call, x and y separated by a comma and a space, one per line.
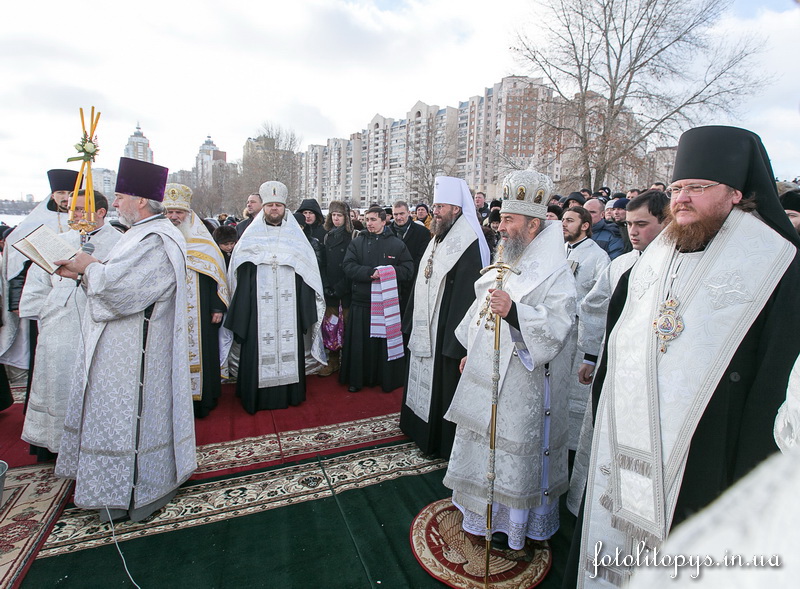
point(129, 432)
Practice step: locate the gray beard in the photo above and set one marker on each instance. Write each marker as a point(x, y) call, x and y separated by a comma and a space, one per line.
point(185, 226)
point(513, 248)
point(125, 220)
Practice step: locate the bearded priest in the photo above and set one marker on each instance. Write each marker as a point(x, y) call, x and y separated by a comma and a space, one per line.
point(277, 298)
point(206, 298)
point(537, 311)
point(702, 337)
point(442, 294)
point(129, 432)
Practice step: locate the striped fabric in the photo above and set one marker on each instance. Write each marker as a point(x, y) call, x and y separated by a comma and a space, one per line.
point(385, 312)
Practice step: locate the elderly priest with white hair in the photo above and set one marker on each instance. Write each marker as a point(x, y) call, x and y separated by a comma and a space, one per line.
point(207, 297)
point(537, 311)
point(129, 433)
point(277, 298)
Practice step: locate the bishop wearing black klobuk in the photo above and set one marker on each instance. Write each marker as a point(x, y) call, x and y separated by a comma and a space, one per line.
point(277, 297)
point(693, 410)
point(441, 296)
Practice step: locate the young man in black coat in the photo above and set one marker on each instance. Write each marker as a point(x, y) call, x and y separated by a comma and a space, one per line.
point(314, 219)
point(365, 359)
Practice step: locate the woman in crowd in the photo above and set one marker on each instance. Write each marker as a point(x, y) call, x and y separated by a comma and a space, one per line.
point(339, 227)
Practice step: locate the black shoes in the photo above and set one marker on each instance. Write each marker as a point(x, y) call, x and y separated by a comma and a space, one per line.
point(352, 389)
point(500, 541)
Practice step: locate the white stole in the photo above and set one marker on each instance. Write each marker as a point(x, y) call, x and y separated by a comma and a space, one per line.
point(656, 399)
point(428, 294)
point(278, 253)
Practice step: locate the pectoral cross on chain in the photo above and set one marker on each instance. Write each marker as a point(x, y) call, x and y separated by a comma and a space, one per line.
point(274, 263)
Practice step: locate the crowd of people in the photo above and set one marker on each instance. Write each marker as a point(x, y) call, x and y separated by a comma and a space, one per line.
point(645, 340)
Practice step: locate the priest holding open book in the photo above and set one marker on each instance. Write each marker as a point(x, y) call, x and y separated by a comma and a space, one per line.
point(58, 305)
point(15, 334)
point(129, 433)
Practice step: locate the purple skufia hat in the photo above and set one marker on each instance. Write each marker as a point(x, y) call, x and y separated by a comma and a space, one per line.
point(62, 180)
point(142, 179)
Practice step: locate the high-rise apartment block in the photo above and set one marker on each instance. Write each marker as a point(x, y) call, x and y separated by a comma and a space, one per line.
point(481, 140)
point(105, 181)
point(209, 160)
point(138, 146)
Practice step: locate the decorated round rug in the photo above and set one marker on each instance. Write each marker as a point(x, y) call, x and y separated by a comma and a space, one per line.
point(458, 559)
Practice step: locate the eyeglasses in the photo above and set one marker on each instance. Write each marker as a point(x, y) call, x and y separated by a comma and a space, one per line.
point(690, 190)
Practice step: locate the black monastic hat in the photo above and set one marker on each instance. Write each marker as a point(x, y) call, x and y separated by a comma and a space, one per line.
point(737, 158)
point(62, 180)
point(142, 179)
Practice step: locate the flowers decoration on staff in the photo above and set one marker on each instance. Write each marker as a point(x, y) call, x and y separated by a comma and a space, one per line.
point(88, 149)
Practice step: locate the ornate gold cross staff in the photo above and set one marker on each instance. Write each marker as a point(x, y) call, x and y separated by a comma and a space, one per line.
point(493, 322)
point(88, 150)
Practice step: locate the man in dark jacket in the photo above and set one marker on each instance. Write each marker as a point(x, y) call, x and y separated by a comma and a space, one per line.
point(251, 208)
point(414, 235)
point(605, 234)
point(314, 219)
point(365, 359)
point(481, 206)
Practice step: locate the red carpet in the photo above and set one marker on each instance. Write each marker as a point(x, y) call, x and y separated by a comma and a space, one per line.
point(327, 402)
point(229, 440)
point(12, 449)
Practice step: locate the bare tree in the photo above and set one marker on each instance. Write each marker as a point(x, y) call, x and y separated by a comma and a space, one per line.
point(631, 73)
point(205, 201)
point(272, 155)
point(430, 156)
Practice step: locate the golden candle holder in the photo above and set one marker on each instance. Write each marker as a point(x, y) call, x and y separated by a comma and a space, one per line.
point(88, 150)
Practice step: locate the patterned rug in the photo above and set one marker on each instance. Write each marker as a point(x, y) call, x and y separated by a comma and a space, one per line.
point(458, 559)
point(204, 502)
point(247, 453)
point(32, 500)
point(18, 393)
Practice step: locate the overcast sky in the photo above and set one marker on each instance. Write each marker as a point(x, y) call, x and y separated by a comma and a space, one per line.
point(321, 68)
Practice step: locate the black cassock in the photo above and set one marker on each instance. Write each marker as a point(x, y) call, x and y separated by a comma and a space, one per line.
point(436, 436)
point(735, 432)
point(209, 345)
point(242, 321)
point(6, 400)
